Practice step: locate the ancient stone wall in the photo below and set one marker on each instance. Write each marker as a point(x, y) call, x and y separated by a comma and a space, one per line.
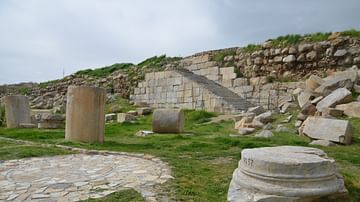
point(171, 89)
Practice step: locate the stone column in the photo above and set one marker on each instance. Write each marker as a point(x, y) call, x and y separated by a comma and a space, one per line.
point(17, 110)
point(168, 121)
point(286, 173)
point(85, 114)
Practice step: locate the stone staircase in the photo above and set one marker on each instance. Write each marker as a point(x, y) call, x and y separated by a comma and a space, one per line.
point(235, 102)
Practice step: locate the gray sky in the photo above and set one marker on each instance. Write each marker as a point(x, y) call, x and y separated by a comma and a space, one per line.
point(41, 37)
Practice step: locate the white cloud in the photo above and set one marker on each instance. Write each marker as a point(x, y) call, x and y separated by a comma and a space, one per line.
point(39, 37)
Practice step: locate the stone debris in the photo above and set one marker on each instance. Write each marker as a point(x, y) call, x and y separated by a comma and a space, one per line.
point(340, 131)
point(75, 177)
point(144, 110)
point(245, 131)
point(110, 117)
point(351, 109)
point(339, 96)
point(265, 117)
point(282, 174)
point(331, 112)
point(125, 118)
point(325, 143)
point(265, 134)
point(282, 128)
point(256, 110)
point(144, 133)
point(27, 125)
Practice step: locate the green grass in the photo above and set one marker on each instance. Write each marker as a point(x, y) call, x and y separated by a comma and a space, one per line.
point(351, 32)
point(128, 195)
point(219, 56)
point(197, 156)
point(119, 105)
point(157, 62)
point(104, 71)
point(252, 47)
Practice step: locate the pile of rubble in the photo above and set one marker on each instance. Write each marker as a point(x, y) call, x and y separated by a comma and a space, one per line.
point(321, 103)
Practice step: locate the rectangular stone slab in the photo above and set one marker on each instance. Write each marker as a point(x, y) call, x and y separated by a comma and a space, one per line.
point(334, 130)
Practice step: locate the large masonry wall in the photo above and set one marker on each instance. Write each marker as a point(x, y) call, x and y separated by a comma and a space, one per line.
point(171, 89)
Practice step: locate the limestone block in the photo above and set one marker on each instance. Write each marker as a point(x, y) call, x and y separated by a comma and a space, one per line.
point(240, 82)
point(256, 110)
point(110, 117)
point(168, 121)
point(264, 134)
point(245, 131)
point(227, 70)
point(313, 82)
point(339, 96)
point(50, 125)
point(328, 129)
point(334, 83)
point(351, 109)
point(325, 143)
point(227, 83)
point(228, 76)
point(332, 112)
point(85, 114)
point(17, 110)
point(285, 173)
point(27, 125)
point(265, 117)
point(125, 117)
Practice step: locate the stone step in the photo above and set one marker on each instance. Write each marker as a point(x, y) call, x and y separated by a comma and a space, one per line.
point(236, 102)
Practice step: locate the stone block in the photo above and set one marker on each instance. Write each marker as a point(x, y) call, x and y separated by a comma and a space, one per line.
point(124, 117)
point(334, 83)
point(228, 76)
point(168, 121)
point(110, 117)
point(27, 125)
point(227, 83)
point(313, 82)
point(339, 96)
point(144, 110)
point(241, 82)
point(227, 70)
point(256, 110)
point(331, 112)
point(265, 134)
point(351, 109)
point(340, 131)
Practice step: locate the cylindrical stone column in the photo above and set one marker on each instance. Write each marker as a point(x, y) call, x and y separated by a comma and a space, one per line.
point(168, 121)
point(17, 110)
point(85, 114)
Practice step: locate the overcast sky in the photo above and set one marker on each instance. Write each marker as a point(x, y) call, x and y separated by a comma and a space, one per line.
point(40, 38)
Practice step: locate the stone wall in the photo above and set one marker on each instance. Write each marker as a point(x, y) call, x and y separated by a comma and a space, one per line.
point(171, 89)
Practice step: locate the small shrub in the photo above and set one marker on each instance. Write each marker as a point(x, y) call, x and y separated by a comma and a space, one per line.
point(219, 57)
point(252, 47)
point(351, 32)
point(319, 36)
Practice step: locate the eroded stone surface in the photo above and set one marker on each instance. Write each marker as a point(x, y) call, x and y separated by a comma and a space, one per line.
point(285, 173)
point(79, 176)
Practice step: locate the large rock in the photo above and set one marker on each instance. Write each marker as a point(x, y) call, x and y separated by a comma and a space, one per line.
point(304, 98)
point(168, 121)
point(125, 117)
point(334, 83)
point(144, 110)
point(256, 110)
point(85, 114)
point(351, 109)
point(245, 122)
point(287, 174)
point(264, 134)
point(339, 96)
point(313, 82)
point(265, 117)
point(17, 110)
point(340, 131)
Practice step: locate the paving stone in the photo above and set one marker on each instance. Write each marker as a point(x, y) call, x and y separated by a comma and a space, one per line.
point(73, 177)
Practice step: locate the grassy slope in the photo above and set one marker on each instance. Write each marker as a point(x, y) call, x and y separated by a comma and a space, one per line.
point(202, 163)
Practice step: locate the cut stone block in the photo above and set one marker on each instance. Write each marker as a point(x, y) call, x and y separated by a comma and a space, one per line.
point(27, 125)
point(245, 131)
point(50, 125)
point(125, 117)
point(313, 82)
point(110, 117)
point(265, 117)
point(340, 131)
point(256, 110)
point(17, 110)
point(325, 143)
point(265, 134)
point(351, 109)
point(85, 114)
point(334, 83)
point(339, 96)
point(144, 110)
point(168, 121)
point(285, 173)
point(303, 98)
point(332, 112)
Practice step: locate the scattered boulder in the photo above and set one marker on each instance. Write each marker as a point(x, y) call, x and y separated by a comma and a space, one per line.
point(282, 128)
point(282, 174)
point(351, 109)
point(265, 134)
point(265, 117)
point(340, 131)
point(268, 126)
point(144, 110)
point(332, 112)
point(289, 59)
point(308, 109)
point(340, 53)
point(334, 83)
point(244, 122)
point(110, 117)
point(144, 133)
point(339, 96)
point(325, 143)
point(256, 110)
point(304, 97)
point(124, 117)
point(313, 82)
point(245, 131)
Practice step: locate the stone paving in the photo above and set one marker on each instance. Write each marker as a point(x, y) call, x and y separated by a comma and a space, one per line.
point(80, 176)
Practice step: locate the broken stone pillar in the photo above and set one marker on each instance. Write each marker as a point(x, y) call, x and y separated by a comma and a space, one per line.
point(17, 110)
point(85, 114)
point(285, 173)
point(168, 121)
